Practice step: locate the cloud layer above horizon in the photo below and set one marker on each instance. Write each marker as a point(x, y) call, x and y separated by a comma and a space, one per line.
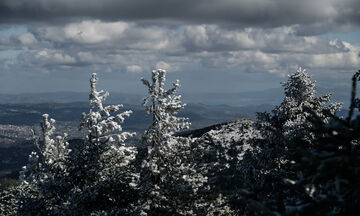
point(223, 44)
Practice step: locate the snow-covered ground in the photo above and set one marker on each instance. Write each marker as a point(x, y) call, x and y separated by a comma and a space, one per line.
point(238, 131)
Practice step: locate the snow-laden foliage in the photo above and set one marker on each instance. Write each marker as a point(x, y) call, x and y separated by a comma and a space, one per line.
point(289, 121)
point(106, 140)
point(95, 177)
point(217, 155)
point(300, 96)
point(328, 174)
point(169, 179)
point(9, 202)
point(267, 166)
point(162, 105)
point(53, 154)
point(45, 178)
point(103, 128)
point(103, 172)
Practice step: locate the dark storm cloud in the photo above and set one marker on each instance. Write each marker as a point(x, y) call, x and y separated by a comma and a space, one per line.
point(264, 13)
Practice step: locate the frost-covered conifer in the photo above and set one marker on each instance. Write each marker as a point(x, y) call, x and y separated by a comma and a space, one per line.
point(53, 154)
point(300, 96)
point(103, 128)
point(105, 136)
point(44, 180)
point(169, 178)
point(162, 105)
point(269, 167)
point(103, 171)
point(328, 173)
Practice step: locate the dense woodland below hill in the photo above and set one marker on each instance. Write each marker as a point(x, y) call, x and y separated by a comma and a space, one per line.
point(298, 159)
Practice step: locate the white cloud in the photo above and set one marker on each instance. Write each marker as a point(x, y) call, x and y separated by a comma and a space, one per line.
point(27, 39)
point(54, 56)
point(169, 67)
point(349, 60)
point(46, 58)
point(100, 35)
point(163, 65)
point(134, 68)
point(88, 31)
point(280, 63)
point(198, 35)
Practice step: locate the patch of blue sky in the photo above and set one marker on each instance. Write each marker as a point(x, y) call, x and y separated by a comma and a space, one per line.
point(13, 30)
point(9, 54)
point(352, 37)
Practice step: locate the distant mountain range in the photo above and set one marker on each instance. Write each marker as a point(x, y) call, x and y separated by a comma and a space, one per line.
point(65, 97)
point(199, 114)
point(270, 96)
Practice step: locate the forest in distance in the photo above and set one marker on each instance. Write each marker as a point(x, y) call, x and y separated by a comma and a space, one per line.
point(300, 157)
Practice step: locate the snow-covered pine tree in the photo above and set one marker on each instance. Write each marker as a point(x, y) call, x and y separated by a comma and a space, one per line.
point(44, 180)
point(103, 128)
point(268, 165)
point(103, 171)
point(169, 178)
point(162, 105)
point(289, 121)
point(300, 96)
point(96, 177)
point(328, 173)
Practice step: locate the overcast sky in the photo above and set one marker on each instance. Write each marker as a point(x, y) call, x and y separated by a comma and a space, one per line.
point(210, 45)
